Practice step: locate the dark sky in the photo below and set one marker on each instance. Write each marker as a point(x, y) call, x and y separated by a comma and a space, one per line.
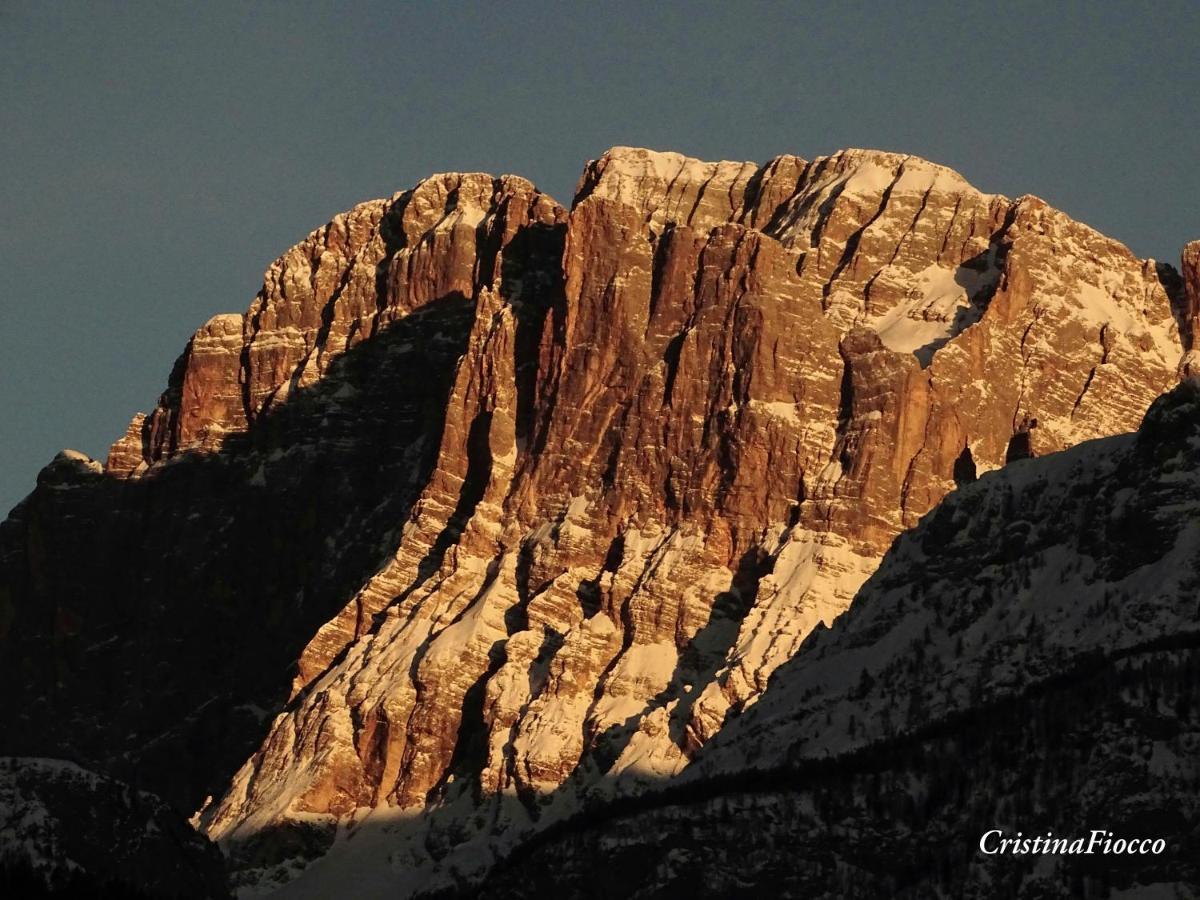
point(157, 157)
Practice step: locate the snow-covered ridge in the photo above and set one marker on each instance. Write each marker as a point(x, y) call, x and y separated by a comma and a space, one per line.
point(1095, 550)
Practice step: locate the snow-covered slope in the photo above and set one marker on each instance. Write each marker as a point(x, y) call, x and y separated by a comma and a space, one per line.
point(66, 831)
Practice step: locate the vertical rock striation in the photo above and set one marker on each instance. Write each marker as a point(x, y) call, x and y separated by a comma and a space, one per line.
point(1191, 318)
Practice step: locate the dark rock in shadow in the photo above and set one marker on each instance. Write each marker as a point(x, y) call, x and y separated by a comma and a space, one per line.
point(151, 626)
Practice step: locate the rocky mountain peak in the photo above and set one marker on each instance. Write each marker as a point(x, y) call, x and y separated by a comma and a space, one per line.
point(341, 285)
point(490, 506)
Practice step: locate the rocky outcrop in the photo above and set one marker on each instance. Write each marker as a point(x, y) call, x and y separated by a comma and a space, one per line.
point(534, 502)
point(1023, 660)
point(368, 268)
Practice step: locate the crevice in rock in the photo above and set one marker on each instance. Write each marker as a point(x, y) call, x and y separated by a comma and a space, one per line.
point(588, 591)
point(855, 239)
point(700, 659)
point(1104, 349)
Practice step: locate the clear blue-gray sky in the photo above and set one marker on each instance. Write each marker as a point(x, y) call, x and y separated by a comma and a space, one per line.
point(157, 156)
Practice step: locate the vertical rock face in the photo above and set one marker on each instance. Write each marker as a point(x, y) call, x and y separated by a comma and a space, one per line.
point(370, 267)
point(603, 472)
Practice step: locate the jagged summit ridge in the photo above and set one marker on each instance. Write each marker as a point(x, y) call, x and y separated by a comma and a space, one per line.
point(344, 283)
point(582, 480)
point(787, 198)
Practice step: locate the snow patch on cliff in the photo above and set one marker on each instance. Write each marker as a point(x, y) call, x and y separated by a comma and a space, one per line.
point(937, 307)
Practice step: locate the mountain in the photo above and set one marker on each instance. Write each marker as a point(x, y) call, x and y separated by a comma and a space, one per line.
point(486, 511)
point(1027, 658)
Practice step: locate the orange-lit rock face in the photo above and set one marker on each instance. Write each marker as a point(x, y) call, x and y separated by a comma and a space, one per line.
point(755, 378)
point(672, 442)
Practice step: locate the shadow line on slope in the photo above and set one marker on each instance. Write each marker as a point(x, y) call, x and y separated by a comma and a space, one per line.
point(916, 795)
